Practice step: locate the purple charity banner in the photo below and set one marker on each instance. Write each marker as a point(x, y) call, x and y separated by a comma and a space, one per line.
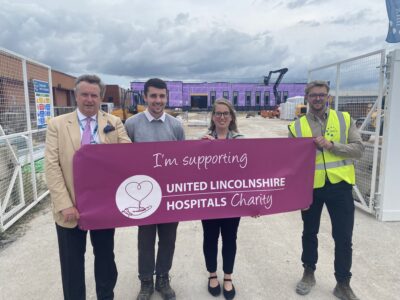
point(119, 185)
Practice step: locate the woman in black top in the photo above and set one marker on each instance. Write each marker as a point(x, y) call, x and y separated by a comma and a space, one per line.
point(222, 126)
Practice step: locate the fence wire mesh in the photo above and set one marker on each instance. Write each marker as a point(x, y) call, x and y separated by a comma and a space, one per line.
point(63, 110)
point(22, 182)
point(356, 87)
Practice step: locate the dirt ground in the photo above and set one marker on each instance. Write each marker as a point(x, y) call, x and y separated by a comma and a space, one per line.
point(268, 258)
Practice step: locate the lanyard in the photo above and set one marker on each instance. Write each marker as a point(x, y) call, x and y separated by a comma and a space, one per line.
point(216, 135)
point(92, 134)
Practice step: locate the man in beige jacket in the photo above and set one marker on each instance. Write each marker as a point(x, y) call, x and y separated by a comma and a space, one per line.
point(65, 135)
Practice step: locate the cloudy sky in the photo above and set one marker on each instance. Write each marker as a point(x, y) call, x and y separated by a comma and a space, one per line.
point(192, 40)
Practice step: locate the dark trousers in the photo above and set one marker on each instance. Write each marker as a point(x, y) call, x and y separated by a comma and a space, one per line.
point(146, 249)
point(339, 202)
point(211, 230)
point(72, 248)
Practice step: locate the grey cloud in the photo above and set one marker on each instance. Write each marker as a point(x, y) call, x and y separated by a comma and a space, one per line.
point(182, 19)
point(360, 45)
point(360, 17)
point(339, 50)
point(358, 74)
point(170, 48)
point(199, 54)
point(39, 34)
point(310, 23)
point(300, 3)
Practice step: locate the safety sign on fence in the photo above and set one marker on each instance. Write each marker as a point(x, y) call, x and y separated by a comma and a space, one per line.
point(43, 103)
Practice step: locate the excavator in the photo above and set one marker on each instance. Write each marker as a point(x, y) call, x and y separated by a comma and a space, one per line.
point(135, 105)
point(281, 72)
point(275, 112)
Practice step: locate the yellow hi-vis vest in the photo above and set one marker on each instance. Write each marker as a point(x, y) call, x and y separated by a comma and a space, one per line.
point(336, 168)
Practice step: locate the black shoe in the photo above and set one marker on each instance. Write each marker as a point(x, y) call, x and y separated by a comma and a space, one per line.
point(146, 289)
point(215, 291)
point(306, 283)
point(229, 294)
point(162, 286)
point(344, 292)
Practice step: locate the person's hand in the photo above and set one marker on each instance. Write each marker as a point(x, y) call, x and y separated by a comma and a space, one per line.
point(208, 137)
point(70, 214)
point(304, 209)
point(323, 143)
point(256, 216)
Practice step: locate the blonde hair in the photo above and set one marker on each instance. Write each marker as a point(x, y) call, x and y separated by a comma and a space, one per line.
point(232, 124)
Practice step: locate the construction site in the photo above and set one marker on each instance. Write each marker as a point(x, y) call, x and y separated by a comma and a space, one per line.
point(268, 264)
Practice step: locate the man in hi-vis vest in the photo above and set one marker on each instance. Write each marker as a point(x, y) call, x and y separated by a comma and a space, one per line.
point(337, 142)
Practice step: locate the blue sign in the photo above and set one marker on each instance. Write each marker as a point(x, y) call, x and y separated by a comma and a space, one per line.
point(41, 86)
point(43, 103)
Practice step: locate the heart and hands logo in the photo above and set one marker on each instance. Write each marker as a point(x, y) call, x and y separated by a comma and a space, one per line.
point(138, 191)
point(138, 197)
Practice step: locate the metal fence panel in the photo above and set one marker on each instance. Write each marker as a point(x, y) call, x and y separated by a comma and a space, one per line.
point(63, 110)
point(22, 182)
point(357, 86)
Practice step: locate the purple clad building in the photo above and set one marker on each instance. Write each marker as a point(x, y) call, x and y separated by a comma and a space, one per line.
point(244, 96)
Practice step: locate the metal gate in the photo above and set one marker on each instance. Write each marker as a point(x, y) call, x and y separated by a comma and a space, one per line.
point(358, 86)
point(22, 182)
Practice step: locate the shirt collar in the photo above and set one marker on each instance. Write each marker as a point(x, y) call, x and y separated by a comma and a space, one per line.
point(214, 133)
point(315, 117)
point(82, 117)
point(150, 117)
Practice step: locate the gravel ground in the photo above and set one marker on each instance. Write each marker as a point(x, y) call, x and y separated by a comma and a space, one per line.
point(268, 258)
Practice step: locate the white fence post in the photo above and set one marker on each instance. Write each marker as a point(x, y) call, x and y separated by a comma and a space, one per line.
point(22, 182)
point(389, 209)
point(358, 89)
point(337, 87)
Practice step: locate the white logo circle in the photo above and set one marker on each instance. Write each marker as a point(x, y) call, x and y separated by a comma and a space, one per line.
point(138, 197)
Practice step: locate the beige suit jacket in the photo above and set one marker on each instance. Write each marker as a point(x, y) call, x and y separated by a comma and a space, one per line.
point(63, 139)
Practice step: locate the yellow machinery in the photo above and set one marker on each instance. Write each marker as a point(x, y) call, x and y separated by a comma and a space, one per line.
point(126, 111)
point(136, 105)
point(370, 125)
point(301, 110)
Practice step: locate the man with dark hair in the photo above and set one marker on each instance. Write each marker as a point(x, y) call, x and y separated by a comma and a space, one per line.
point(65, 135)
point(338, 143)
point(155, 83)
point(155, 125)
